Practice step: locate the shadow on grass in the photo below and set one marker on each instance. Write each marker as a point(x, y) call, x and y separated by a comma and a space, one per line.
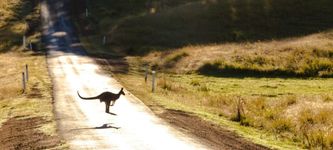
point(192, 22)
point(231, 71)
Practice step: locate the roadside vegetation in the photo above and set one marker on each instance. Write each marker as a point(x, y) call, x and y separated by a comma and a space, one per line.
point(26, 119)
point(262, 68)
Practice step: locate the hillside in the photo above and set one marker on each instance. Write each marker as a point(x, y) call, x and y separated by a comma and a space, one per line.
point(249, 32)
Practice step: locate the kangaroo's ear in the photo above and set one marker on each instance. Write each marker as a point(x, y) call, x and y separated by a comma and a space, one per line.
point(122, 89)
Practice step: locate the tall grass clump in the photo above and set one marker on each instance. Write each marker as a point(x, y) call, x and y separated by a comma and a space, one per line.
point(171, 60)
point(299, 64)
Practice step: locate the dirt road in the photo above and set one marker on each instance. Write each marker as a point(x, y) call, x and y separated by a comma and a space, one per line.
point(84, 124)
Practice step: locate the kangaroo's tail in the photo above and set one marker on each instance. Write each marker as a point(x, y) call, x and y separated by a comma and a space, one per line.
point(86, 98)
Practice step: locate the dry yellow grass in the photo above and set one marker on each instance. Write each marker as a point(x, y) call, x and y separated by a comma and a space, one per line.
point(275, 54)
point(37, 99)
point(275, 106)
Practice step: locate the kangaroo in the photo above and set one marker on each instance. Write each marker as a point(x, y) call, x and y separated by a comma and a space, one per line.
point(106, 97)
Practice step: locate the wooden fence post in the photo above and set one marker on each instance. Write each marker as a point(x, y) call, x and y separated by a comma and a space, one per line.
point(146, 73)
point(153, 81)
point(27, 72)
point(23, 82)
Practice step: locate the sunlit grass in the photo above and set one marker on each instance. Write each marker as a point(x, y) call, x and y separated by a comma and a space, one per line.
point(272, 105)
point(266, 53)
point(37, 99)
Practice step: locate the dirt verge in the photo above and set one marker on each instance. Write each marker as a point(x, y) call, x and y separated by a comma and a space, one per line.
point(18, 133)
point(212, 134)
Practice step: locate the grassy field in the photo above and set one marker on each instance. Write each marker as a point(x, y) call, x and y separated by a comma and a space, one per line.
point(262, 68)
point(17, 18)
point(288, 112)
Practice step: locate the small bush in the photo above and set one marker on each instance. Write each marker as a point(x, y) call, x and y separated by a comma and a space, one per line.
point(239, 115)
point(289, 100)
point(216, 102)
point(170, 61)
point(315, 139)
point(329, 140)
point(327, 98)
point(259, 60)
point(324, 116)
point(245, 121)
point(195, 82)
point(306, 117)
point(203, 88)
point(282, 125)
point(164, 84)
point(318, 67)
point(259, 103)
point(323, 53)
point(271, 114)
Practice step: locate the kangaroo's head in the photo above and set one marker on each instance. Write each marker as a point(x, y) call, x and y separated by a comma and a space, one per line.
point(122, 91)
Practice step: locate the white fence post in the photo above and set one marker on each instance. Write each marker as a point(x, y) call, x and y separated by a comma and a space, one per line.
point(30, 45)
point(87, 13)
point(153, 80)
point(104, 40)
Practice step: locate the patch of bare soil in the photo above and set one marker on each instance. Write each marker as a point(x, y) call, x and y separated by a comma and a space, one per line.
point(211, 134)
point(35, 92)
point(20, 134)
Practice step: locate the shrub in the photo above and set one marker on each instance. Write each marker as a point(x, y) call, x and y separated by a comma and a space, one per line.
point(289, 100)
point(327, 98)
point(281, 125)
point(306, 117)
point(323, 53)
point(170, 61)
point(216, 101)
point(259, 60)
point(239, 115)
point(164, 84)
point(316, 66)
point(315, 139)
point(259, 103)
point(195, 82)
point(329, 140)
point(324, 115)
point(271, 114)
point(203, 88)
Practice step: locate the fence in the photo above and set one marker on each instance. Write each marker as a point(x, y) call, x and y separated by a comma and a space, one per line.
point(25, 79)
point(153, 76)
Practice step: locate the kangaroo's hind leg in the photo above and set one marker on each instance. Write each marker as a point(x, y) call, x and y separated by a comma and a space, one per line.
point(107, 107)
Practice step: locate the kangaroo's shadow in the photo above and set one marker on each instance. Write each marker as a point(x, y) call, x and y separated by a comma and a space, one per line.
point(104, 126)
point(112, 113)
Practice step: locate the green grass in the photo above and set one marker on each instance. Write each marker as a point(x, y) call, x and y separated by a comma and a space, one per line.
point(273, 107)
